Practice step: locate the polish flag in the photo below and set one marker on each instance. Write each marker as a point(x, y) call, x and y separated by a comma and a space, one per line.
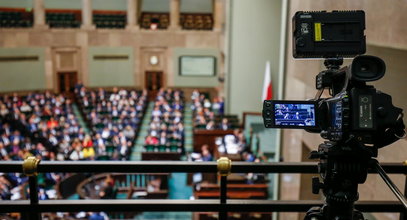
point(267, 86)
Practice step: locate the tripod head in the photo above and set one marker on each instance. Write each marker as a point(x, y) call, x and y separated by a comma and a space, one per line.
point(342, 167)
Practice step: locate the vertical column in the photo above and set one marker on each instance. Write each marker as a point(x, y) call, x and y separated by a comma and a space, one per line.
point(132, 14)
point(87, 14)
point(174, 14)
point(39, 14)
point(217, 15)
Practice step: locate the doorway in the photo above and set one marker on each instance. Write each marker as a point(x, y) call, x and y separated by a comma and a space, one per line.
point(67, 69)
point(154, 81)
point(67, 82)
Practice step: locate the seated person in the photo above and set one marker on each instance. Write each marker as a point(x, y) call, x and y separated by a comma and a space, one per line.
point(129, 132)
point(154, 185)
point(225, 125)
point(230, 144)
point(210, 125)
point(151, 140)
point(204, 155)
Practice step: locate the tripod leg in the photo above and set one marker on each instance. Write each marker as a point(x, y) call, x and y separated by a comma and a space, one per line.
point(315, 213)
point(403, 215)
point(391, 185)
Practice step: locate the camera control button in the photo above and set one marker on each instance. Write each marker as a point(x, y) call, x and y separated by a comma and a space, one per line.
point(300, 42)
point(381, 111)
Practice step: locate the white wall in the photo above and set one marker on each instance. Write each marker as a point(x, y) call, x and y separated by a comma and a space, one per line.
point(111, 72)
point(196, 6)
point(16, 3)
point(22, 75)
point(254, 40)
point(63, 4)
point(155, 5)
point(115, 5)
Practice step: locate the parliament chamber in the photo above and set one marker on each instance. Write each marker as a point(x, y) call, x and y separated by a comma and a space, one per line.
point(152, 109)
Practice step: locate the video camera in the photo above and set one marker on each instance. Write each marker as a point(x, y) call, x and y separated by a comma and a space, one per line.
point(355, 108)
point(356, 119)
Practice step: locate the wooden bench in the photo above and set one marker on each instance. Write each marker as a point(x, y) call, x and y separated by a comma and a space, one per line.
point(235, 191)
point(160, 156)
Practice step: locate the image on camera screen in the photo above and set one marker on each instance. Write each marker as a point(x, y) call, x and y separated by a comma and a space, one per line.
point(297, 115)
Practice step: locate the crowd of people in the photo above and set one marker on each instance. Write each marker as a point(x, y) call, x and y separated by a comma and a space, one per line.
point(209, 115)
point(237, 147)
point(166, 127)
point(231, 144)
point(35, 125)
point(44, 125)
point(114, 117)
point(11, 141)
point(48, 118)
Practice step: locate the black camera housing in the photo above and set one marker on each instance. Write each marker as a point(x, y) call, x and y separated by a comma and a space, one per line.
point(355, 109)
point(352, 112)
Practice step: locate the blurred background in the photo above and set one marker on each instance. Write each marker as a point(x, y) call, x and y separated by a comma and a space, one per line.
point(171, 80)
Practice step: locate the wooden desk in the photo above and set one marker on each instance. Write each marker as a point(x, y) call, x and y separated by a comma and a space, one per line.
point(160, 156)
point(208, 137)
point(230, 195)
point(235, 191)
point(233, 216)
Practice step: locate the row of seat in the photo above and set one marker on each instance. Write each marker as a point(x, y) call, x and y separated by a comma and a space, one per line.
point(162, 20)
point(210, 115)
point(63, 20)
point(196, 21)
point(109, 20)
point(111, 115)
point(112, 17)
point(73, 20)
point(110, 24)
point(166, 131)
point(163, 148)
point(16, 24)
point(16, 19)
point(61, 16)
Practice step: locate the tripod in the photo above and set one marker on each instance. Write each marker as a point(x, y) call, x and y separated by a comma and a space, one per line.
point(342, 167)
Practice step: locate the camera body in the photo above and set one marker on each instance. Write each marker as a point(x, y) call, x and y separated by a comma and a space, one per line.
point(363, 113)
point(354, 110)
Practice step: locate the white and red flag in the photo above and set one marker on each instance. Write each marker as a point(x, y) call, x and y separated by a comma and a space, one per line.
point(267, 85)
